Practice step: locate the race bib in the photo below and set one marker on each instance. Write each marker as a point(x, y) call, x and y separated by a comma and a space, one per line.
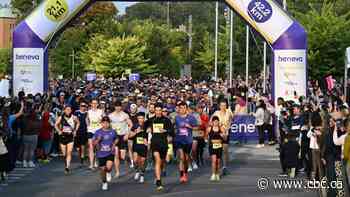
point(67, 129)
point(183, 131)
point(140, 140)
point(105, 148)
point(94, 124)
point(158, 128)
point(117, 128)
point(217, 145)
point(296, 127)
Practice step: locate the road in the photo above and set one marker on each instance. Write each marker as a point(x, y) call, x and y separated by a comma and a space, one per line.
point(247, 166)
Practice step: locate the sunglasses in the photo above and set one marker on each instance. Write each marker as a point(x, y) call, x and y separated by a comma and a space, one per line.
point(83, 105)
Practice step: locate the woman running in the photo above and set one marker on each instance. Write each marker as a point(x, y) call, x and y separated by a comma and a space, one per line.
point(217, 137)
point(105, 140)
point(67, 126)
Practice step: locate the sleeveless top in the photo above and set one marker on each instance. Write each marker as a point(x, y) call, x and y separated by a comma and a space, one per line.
point(67, 124)
point(215, 139)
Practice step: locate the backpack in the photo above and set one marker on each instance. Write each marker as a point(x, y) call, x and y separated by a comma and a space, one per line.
point(267, 116)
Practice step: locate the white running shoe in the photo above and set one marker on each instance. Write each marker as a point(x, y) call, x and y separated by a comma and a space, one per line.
point(109, 177)
point(25, 164)
point(142, 179)
point(195, 166)
point(95, 165)
point(31, 164)
point(190, 168)
point(19, 162)
point(137, 176)
point(104, 186)
point(217, 177)
point(132, 164)
point(213, 177)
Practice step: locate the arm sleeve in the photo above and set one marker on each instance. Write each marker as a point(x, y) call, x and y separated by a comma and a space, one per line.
point(338, 140)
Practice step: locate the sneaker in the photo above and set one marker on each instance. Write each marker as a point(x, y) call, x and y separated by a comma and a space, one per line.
point(137, 176)
point(31, 164)
point(190, 168)
point(66, 171)
point(301, 170)
point(54, 155)
point(185, 178)
point(132, 165)
point(225, 171)
point(19, 163)
point(149, 167)
point(117, 175)
point(217, 177)
point(195, 166)
point(109, 177)
point(104, 186)
point(142, 179)
point(160, 188)
point(95, 165)
point(25, 164)
point(182, 179)
point(283, 174)
point(213, 177)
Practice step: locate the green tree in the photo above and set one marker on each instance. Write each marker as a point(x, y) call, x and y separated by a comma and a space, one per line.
point(122, 53)
point(5, 61)
point(328, 37)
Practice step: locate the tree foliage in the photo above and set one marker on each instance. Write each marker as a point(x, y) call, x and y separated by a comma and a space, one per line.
point(5, 60)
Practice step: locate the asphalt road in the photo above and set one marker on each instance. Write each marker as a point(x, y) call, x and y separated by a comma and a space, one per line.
point(247, 166)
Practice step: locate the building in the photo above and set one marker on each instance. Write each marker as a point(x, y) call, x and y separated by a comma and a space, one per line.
point(7, 24)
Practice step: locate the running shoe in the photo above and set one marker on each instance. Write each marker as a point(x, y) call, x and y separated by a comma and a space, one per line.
point(217, 177)
point(109, 177)
point(104, 186)
point(25, 164)
point(31, 164)
point(185, 178)
point(137, 176)
point(195, 166)
point(66, 171)
point(182, 179)
point(142, 179)
point(213, 177)
point(160, 188)
point(190, 168)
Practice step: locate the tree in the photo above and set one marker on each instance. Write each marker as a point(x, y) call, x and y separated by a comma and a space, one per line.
point(326, 46)
point(122, 53)
point(5, 61)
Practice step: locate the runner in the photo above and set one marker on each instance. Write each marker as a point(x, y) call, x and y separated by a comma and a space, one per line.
point(139, 135)
point(162, 131)
point(121, 123)
point(82, 138)
point(133, 117)
point(217, 136)
point(105, 140)
point(94, 119)
point(67, 126)
point(225, 116)
point(185, 123)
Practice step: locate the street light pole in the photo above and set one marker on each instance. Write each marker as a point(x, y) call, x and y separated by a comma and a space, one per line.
point(73, 62)
point(231, 47)
point(216, 40)
point(247, 56)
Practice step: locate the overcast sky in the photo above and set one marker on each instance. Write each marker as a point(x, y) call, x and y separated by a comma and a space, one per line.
point(121, 5)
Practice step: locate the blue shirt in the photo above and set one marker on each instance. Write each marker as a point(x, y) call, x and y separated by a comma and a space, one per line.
point(11, 120)
point(105, 147)
point(183, 134)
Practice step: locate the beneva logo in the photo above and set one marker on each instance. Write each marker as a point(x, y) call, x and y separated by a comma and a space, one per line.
point(290, 59)
point(28, 57)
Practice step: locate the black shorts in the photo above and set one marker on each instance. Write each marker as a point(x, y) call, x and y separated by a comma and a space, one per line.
point(217, 152)
point(122, 144)
point(141, 150)
point(90, 135)
point(198, 138)
point(103, 161)
point(66, 138)
point(162, 149)
point(81, 140)
point(187, 148)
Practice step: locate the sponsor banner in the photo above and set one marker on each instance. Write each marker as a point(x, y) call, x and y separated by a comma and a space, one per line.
point(290, 74)
point(264, 15)
point(134, 77)
point(243, 128)
point(51, 15)
point(28, 70)
point(91, 76)
point(4, 88)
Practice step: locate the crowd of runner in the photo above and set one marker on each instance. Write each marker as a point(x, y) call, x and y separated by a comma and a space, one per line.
point(150, 123)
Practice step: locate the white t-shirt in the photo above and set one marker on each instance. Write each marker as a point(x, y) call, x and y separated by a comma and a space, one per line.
point(95, 117)
point(119, 122)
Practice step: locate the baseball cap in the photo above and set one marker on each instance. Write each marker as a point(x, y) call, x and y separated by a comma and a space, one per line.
point(133, 106)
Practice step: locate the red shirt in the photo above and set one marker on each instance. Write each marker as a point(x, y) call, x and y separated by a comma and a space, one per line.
point(46, 128)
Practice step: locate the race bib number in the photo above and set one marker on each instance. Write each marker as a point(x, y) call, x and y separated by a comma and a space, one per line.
point(217, 145)
point(94, 124)
point(140, 140)
point(158, 128)
point(183, 131)
point(117, 128)
point(105, 148)
point(296, 127)
point(67, 129)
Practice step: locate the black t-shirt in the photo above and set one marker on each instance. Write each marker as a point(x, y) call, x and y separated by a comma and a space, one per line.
point(156, 124)
point(139, 138)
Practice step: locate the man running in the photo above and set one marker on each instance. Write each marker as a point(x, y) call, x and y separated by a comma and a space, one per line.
point(185, 123)
point(104, 140)
point(139, 135)
point(121, 123)
point(94, 119)
point(162, 131)
point(82, 138)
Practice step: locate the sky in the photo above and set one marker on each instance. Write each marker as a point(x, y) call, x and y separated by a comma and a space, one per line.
point(121, 5)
